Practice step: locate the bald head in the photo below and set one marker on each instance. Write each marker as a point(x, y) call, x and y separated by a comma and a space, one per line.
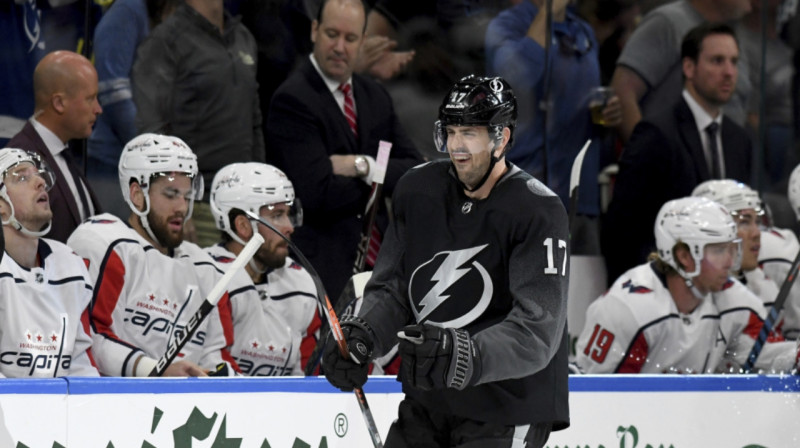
point(65, 90)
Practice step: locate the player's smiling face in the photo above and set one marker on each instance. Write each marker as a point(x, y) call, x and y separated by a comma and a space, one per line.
point(470, 150)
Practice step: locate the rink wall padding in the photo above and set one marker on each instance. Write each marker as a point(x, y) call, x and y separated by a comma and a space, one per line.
point(625, 411)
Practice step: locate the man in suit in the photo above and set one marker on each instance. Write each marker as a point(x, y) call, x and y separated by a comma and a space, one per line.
point(65, 91)
point(672, 152)
point(323, 130)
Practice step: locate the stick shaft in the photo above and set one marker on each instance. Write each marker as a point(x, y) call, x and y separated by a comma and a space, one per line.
point(772, 316)
point(176, 345)
point(333, 322)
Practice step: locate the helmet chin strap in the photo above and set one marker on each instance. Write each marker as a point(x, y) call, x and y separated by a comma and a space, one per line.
point(12, 221)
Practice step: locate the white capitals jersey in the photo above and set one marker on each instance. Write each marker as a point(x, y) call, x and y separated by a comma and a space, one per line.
point(759, 284)
point(143, 298)
point(266, 342)
point(41, 334)
point(636, 328)
point(779, 248)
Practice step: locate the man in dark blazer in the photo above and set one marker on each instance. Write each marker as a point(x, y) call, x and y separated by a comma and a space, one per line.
point(668, 154)
point(65, 91)
point(323, 130)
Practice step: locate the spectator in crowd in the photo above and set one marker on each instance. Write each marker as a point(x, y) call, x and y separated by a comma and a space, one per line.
point(673, 151)
point(613, 22)
point(65, 89)
point(287, 291)
point(324, 126)
point(681, 312)
point(745, 207)
point(120, 31)
point(44, 286)
point(648, 73)
point(778, 119)
point(148, 280)
point(515, 45)
point(194, 77)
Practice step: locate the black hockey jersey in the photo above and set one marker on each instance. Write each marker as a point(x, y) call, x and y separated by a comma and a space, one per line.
point(497, 267)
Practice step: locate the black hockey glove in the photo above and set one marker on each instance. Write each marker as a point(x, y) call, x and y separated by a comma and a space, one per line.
point(349, 373)
point(436, 358)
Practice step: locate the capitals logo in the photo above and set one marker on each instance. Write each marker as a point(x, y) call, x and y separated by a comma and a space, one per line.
point(451, 289)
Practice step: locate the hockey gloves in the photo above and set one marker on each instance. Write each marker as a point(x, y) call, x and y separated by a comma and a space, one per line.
point(436, 358)
point(351, 372)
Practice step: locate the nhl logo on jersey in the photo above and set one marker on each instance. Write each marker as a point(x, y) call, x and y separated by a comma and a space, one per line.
point(452, 289)
point(466, 208)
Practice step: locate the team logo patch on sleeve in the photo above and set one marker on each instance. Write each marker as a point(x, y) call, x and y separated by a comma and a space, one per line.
point(636, 289)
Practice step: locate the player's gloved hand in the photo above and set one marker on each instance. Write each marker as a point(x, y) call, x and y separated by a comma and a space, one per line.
point(436, 358)
point(351, 372)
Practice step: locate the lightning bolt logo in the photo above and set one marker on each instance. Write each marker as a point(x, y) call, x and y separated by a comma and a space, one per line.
point(449, 272)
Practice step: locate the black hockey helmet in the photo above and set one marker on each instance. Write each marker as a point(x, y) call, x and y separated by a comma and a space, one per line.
point(477, 101)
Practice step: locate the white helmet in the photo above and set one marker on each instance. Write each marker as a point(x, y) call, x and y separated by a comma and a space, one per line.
point(10, 158)
point(250, 186)
point(794, 191)
point(149, 155)
point(733, 195)
point(696, 222)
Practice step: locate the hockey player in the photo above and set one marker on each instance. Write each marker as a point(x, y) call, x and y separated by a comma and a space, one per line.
point(44, 287)
point(682, 312)
point(747, 212)
point(472, 279)
point(779, 248)
point(148, 280)
point(287, 291)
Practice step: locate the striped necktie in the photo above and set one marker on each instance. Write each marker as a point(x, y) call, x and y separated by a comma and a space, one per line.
point(349, 107)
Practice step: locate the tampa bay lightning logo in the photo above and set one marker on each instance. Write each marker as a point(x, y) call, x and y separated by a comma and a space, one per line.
point(496, 85)
point(455, 277)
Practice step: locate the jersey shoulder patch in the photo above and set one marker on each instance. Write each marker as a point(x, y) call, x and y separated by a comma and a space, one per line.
point(635, 289)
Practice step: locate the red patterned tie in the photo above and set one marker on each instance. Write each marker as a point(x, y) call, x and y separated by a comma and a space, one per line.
point(349, 107)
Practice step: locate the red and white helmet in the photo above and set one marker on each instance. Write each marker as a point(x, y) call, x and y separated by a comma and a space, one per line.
point(10, 158)
point(695, 221)
point(794, 191)
point(150, 155)
point(250, 186)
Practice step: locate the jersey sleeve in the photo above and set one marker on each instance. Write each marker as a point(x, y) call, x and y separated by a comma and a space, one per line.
point(384, 305)
point(538, 277)
point(743, 321)
point(82, 363)
point(610, 341)
point(109, 269)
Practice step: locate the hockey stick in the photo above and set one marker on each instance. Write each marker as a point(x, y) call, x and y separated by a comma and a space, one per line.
point(333, 322)
point(384, 148)
point(574, 182)
point(208, 304)
point(371, 211)
point(769, 322)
